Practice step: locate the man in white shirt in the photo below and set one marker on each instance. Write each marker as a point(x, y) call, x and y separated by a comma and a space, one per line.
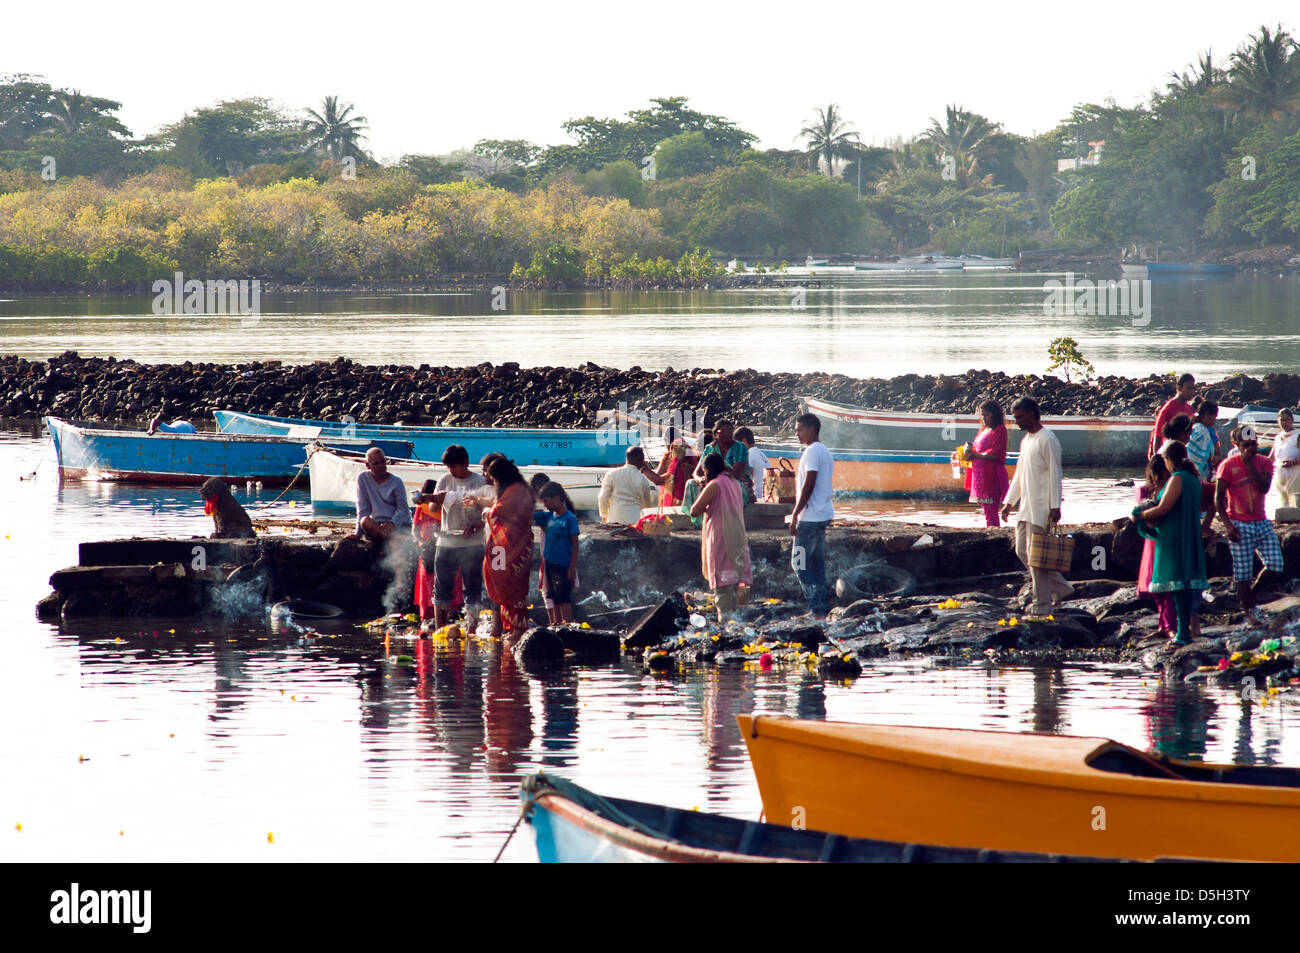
point(461, 538)
point(1036, 488)
point(626, 490)
point(813, 512)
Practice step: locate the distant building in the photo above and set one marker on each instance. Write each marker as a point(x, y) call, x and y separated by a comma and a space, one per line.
point(1093, 157)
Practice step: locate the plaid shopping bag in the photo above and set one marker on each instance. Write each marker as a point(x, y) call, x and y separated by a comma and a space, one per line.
point(1050, 550)
point(779, 482)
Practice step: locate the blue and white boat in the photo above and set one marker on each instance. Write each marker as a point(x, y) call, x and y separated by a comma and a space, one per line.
point(526, 447)
point(105, 453)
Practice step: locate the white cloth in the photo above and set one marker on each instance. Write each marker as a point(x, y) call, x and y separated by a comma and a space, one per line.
point(456, 518)
point(816, 459)
point(623, 493)
point(758, 464)
point(1286, 446)
point(1201, 448)
point(1036, 485)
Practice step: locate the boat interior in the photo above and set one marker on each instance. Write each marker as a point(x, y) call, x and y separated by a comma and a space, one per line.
point(1121, 759)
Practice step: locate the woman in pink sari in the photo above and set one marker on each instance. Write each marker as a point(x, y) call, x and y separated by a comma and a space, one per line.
point(987, 477)
point(724, 548)
point(508, 561)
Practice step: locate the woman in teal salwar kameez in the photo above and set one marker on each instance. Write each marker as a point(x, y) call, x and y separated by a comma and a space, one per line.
point(1175, 525)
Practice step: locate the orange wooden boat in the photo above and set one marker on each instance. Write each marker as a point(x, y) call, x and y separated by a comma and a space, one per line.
point(1023, 792)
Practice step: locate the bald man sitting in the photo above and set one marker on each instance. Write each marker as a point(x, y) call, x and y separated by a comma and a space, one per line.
point(381, 500)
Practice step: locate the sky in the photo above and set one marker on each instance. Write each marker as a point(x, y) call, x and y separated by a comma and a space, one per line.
point(431, 78)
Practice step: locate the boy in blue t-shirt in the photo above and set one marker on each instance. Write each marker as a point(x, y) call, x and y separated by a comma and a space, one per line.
point(559, 551)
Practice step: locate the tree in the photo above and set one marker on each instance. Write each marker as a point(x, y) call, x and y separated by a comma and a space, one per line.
point(335, 129)
point(687, 153)
point(963, 136)
point(1200, 79)
point(229, 137)
point(1264, 75)
point(1065, 356)
point(828, 136)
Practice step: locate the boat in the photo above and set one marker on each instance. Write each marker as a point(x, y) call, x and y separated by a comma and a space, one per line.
point(888, 473)
point(927, 264)
point(572, 825)
point(86, 452)
point(983, 261)
point(811, 262)
point(525, 446)
point(334, 478)
point(1167, 269)
point(1085, 441)
point(1024, 792)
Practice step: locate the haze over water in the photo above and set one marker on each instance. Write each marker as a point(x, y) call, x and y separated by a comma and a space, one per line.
point(198, 743)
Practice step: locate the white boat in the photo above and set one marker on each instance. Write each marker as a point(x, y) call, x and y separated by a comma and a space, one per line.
point(929, 264)
point(1133, 271)
point(811, 262)
point(334, 478)
point(983, 261)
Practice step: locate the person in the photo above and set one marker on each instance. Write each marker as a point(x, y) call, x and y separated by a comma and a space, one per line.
point(425, 520)
point(381, 500)
point(1286, 458)
point(1178, 566)
point(509, 557)
point(1240, 487)
point(987, 477)
point(813, 511)
point(757, 462)
point(1157, 475)
point(537, 483)
point(1177, 430)
point(1036, 490)
point(734, 455)
point(559, 551)
point(626, 490)
point(1180, 403)
point(724, 548)
point(461, 539)
point(176, 426)
point(676, 468)
point(229, 519)
point(1203, 445)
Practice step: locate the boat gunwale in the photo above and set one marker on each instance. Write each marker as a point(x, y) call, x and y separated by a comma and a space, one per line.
point(803, 733)
point(660, 849)
point(439, 429)
point(210, 435)
point(850, 413)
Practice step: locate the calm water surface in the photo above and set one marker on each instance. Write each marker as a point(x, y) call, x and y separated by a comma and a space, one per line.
point(199, 742)
point(870, 326)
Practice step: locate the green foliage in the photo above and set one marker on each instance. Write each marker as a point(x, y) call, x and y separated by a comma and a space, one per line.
point(125, 266)
point(556, 263)
point(685, 154)
point(430, 170)
point(619, 179)
point(1065, 356)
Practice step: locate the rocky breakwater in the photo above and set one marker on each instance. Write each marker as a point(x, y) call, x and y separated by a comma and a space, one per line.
point(105, 389)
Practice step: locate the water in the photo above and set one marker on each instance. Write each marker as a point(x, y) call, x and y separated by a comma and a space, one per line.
point(868, 326)
point(201, 742)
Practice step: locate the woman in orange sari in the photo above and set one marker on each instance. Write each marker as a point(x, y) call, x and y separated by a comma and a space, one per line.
point(508, 561)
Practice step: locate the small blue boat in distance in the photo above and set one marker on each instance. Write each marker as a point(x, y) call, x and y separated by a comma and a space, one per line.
point(105, 453)
point(526, 447)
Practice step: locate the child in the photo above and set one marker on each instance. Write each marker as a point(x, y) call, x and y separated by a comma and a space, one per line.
point(424, 527)
point(758, 462)
point(559, 551)
point(1203, 450)
point(536, 484)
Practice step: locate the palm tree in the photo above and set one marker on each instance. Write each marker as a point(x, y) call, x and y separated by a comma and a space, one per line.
point(334, 129)
point(963, 136)
point(828, 136)
point(1264, 74)
point(1201, 78)
point(68, 112)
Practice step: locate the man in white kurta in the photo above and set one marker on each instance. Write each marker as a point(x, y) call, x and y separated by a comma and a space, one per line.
point(625, 490)
point(1036, 489)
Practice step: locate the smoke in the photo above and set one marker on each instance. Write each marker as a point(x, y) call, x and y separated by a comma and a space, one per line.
point(397, 560)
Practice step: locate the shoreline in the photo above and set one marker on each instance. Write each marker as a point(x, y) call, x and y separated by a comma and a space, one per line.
point(507, 395)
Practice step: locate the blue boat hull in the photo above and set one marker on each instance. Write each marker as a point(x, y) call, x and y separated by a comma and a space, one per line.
point(133, 455)
point(526, 447)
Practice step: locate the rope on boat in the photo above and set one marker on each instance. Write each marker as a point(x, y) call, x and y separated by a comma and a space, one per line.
point(522, 813)
point(311, 448)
